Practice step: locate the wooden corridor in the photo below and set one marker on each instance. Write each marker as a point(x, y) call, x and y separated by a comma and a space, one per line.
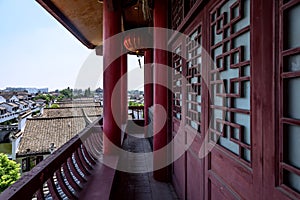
point(139, 186)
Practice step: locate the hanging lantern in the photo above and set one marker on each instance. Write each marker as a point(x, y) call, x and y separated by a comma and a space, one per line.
point(137, 42)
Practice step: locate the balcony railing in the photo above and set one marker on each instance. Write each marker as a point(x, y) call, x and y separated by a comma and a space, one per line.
point(137, 112)
point(63, 174)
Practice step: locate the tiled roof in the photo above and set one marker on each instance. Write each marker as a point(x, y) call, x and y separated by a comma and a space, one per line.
point(77, 104)
point(7, 95)
point(69, 112)
point(39, 133)
point(12, 104)
point(56, 125)
point(40, 100)
point(23, 103)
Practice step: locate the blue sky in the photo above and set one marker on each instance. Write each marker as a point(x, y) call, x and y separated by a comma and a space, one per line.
point(36, 50)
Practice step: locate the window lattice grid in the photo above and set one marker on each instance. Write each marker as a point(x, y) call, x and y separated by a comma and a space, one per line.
point(193, 77)
point(289, 119)
point(230, 77)
point(177, 83)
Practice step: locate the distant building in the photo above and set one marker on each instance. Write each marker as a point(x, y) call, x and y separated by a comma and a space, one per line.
point(22, 105)
point(2, 99)
point(2, 110)
point(9, 97)
point(29, 90)
point(10, 107)
point(31, 104)
point(40, 101)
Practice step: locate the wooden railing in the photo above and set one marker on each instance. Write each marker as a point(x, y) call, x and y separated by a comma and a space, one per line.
point(64, 173)
point(137, 112)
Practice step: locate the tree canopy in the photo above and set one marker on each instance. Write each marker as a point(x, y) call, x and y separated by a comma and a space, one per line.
point(67, 93)
point(46, 97)
point(9, 172)
point(54, 105)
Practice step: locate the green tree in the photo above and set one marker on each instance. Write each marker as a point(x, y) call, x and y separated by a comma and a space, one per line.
point(46, 97)
point(60, 97)
point(9, 172)
point(87, 92)
point(54, 105)
point(67, 93)
point(51, 97)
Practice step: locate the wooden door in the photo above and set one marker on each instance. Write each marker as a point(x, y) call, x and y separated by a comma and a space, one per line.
point(232, 164)
point(215, 104)
point(187, 105)
point(282, 143)
point(244, 106)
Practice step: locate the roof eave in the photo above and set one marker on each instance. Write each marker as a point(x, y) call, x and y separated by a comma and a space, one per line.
point(59, 16)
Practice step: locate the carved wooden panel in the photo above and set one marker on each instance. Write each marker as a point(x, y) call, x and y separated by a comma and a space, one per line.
point(193, 76)
point(289, 119)
point(177, 13)
point(230, 77)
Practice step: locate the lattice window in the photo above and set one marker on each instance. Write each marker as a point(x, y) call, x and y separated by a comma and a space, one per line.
point(289, 119)
point(230, 77)
point(177, 83)
point(193, 76)
point(177, 13)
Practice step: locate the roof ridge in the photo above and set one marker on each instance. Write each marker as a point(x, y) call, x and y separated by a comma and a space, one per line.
point(50, 118)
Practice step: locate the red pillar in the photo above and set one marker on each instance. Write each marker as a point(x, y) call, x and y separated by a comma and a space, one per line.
point(148, 87)
point(112, 74)
point(124, 88)
point(160, 16)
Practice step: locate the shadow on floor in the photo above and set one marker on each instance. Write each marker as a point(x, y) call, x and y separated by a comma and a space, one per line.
point(139, 186)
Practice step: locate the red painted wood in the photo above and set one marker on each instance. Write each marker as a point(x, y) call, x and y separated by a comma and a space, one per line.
point(160, 18)
point(52, 189)
point(219, 190)
point(112, 74)
point(90, 158)
point(70, 179)
point(84, 159)
point(275, 127)
point(148, 87)
point(81, 163)
point(194, 181)
point(64, 186)
point(226, 175)
point(61, 17)
point(262, 101)
point(90, 150)
point(99, 185)
point(32, 182)
point(70, 164)
point(124, 89)
point(40, 194)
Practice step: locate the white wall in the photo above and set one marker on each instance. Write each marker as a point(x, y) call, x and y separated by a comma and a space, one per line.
point(8, 107)
point(15, 145)
point(13, 99)
point(2, 100)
